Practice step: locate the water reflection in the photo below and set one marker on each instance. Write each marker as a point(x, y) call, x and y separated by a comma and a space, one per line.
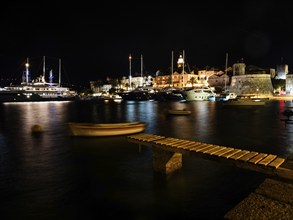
point(110, 177)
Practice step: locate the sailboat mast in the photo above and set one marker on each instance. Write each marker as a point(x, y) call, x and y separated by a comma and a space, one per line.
point(141, 69)
point(183, 67)
point(183, 61)
point(172, 57)
point(59, 72)
point(44, 67)
point(26, 70)
point(130, 86)
point(226, 66)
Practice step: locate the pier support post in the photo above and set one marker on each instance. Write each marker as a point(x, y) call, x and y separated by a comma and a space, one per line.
point(165, 161)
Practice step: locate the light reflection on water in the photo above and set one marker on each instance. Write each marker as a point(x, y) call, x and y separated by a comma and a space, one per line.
point(110, 177)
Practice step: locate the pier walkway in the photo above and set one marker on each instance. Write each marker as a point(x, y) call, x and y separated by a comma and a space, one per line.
point(273, 199)
point(168, 151)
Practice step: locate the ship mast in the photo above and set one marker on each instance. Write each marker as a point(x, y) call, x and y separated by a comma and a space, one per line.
point(226, 66)
point(26, 70)
point(141, 69)
point(130, 86)
point(172, 57)
point(59, 72)
point(44, 68)
point(183, 62)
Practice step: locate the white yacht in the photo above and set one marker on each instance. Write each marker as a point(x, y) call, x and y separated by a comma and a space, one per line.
point(199, 94)
point(37, 90)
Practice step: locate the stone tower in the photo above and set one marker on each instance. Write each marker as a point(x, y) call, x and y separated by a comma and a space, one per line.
point(256, 82)
point(239, 68)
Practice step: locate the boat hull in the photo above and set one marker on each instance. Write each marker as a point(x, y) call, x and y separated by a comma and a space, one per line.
point(23, 97)
point(244, 103)
point(97, 130)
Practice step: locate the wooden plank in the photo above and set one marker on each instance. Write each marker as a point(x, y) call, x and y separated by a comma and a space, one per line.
point(199, 147)
point(149, 137)
point(213, 150)
point(257, 158)
point(166, 140)
point(173, 143)
point(248, 156)
point(194, 144)
point(239, 154)
point(212, 146)
point(137, 136)
point(276, 162)
point(186, 145)
point(180, 143)
point(220, 153)
point(154, 139)
point(221, 149)
point(230, 153)
point(202, 148)
point(183, 146)
point(267, 159)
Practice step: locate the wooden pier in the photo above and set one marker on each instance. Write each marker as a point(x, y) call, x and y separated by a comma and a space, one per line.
point(168, 151)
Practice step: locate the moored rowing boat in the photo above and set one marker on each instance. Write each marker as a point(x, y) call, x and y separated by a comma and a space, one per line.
point(111, 129)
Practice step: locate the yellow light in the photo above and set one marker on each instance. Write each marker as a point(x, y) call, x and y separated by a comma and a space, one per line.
point(27, 65)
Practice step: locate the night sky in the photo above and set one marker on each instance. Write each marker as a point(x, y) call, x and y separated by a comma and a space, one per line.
point(95, 39)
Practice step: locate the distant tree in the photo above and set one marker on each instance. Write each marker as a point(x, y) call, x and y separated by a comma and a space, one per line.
point(86, 92)
point(192, 80)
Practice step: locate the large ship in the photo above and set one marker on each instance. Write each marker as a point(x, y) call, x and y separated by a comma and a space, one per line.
point(37, 89)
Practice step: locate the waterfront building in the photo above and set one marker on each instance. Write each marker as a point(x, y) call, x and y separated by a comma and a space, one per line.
point(220, 81)
point(136, 82)
point(178, 80)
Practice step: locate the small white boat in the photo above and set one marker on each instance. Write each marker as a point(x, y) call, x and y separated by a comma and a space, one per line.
point(225, 96)
point(112, 129)
point(178, 112)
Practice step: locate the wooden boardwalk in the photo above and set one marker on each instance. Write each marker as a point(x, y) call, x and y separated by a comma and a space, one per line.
point(256, 161)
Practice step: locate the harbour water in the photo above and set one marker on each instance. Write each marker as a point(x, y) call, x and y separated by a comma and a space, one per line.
point(56, 176)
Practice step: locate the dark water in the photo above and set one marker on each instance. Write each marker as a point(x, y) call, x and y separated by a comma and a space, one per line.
point(55, 176)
